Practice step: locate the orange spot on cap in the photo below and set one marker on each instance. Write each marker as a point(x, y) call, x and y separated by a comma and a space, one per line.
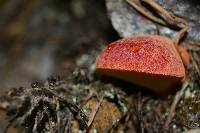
point(136, 48)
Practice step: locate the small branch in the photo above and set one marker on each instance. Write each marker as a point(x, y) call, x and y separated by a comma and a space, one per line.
point(195, 63)
point(160, 9)
point(177, 98)
point(144, 12)
point(95, 112)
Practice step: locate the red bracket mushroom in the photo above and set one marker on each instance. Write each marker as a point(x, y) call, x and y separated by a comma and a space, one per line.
point(150, 61)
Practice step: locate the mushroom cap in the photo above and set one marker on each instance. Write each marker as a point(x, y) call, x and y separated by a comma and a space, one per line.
point(150, 61)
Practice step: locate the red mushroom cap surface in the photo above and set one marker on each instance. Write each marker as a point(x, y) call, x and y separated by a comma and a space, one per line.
point(150, 61)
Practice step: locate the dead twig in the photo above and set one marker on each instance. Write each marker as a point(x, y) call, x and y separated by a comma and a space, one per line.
point(177, 98)
point(164, 12)
point(194, 43)
point(95, 112)
point(137, 5)
point(196, 62)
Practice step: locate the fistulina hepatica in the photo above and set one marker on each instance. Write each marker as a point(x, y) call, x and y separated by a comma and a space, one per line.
point(150, 61)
